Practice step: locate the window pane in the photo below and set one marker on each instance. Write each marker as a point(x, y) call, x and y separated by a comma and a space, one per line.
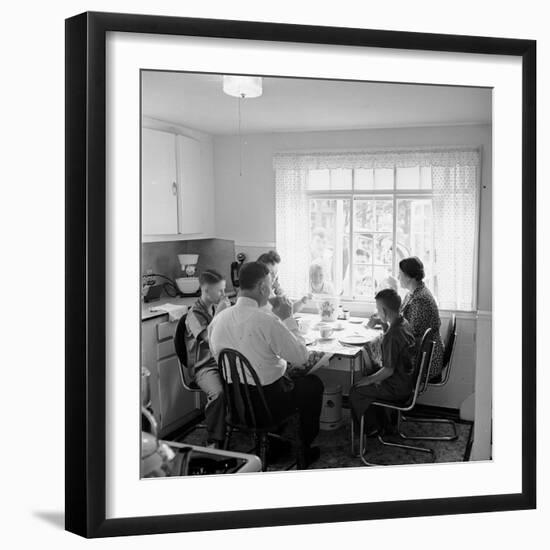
point(363, 281)
point(383, 249)
point(426, 177)
point(364, 216)
point(415, 232)
point(381, 274)
point(364, 178)
point(363, 248)
point(340, 180)
point(383, 178)
point(329, 243)
point(318, 180)
point(384, 215)
point(407, 178)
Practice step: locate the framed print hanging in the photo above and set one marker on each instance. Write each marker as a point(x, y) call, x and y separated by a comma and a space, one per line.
point(323, 214)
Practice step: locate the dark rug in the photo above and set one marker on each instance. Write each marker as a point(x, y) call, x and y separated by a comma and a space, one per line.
point(335, 446)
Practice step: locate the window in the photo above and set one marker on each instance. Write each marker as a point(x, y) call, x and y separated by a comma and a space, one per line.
point(348, 219)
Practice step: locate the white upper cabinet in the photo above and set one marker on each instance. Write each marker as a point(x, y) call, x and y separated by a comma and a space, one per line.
point(177, 189)
point(191, 196)
point(159, 187)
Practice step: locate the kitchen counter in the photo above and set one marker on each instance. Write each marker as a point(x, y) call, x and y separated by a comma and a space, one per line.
point(147, 314)
point(188, 301)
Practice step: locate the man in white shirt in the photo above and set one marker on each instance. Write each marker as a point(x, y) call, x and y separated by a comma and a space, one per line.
point(269, 340)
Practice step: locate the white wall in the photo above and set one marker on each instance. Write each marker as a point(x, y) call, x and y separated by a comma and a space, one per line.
point(251, 222)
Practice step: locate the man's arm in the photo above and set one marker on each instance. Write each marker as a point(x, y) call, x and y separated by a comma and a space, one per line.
point(287, 342)
point(284, 337)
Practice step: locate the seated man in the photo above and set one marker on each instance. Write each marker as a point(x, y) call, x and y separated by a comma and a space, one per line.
point(394, 380)
point(269, 340)
point(201, 364)
point(272, 260)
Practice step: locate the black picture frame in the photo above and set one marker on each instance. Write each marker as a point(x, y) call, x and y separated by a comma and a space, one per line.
point(86, 284)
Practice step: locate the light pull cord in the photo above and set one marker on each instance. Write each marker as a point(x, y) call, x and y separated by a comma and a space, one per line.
point(240, 138)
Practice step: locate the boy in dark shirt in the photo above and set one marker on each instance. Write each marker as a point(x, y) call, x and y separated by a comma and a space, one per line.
point(394, 381)
point(201, 364)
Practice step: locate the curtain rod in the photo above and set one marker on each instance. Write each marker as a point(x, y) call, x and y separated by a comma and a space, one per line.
point(389, 149)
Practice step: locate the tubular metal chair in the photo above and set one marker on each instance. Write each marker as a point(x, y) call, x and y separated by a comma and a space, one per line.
point(422, 364)
point(181, 352)
point(251, 414)
point(443, 378)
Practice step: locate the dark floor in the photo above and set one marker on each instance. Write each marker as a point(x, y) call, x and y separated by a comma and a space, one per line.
point(336, 450)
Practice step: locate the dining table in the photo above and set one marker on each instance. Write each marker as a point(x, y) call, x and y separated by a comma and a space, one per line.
point(346, 341)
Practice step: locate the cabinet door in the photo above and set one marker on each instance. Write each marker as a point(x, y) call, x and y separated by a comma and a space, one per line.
point(149, 360)
point(159, 201)
point(175, 400)
point(191, 199)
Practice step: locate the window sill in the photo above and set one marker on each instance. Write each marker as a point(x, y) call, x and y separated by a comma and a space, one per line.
point(365, 308)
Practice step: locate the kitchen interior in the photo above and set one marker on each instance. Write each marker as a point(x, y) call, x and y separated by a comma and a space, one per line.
point(208, 202)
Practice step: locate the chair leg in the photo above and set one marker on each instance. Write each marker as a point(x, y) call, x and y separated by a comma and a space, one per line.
point(402, 445)
point(452, 424)
point(263, 451)
point(363, 443)
point(228, 434)
point(363, 438)
point(408, 447)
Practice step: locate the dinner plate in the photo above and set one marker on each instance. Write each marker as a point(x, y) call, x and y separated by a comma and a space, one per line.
point(356, 321)
point(353, 340)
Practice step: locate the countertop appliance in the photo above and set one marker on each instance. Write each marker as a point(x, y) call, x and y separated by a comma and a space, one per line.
point(151, 291)
point(189, 283)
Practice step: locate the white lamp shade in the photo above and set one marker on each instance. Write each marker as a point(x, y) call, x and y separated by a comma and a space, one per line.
point(242, 86)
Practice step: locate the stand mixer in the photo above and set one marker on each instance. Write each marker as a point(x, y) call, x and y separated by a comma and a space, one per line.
point(189, 283)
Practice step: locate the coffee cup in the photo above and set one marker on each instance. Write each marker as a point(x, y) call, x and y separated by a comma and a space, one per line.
point(304, 325)
point(326, 332)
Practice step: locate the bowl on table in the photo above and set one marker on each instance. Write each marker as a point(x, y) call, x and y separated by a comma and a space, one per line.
point(188, 285)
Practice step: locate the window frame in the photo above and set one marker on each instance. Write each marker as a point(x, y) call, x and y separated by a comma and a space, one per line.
point(394, 194)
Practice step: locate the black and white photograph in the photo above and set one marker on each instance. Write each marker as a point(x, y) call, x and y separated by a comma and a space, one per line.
point(316, 274)
point(274, 274)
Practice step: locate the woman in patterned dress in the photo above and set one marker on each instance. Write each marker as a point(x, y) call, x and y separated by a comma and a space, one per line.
point(420, 308)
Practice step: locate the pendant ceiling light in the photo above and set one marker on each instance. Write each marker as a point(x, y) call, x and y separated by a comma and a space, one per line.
point(242, 87)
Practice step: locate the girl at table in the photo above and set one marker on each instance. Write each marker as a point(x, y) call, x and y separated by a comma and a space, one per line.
point(317, 281)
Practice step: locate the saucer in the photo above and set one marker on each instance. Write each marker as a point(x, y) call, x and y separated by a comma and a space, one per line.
point(353, 340)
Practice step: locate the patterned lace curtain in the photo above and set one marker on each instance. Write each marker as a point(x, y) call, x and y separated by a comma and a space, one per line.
point(292, 215)
point(455, 213)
